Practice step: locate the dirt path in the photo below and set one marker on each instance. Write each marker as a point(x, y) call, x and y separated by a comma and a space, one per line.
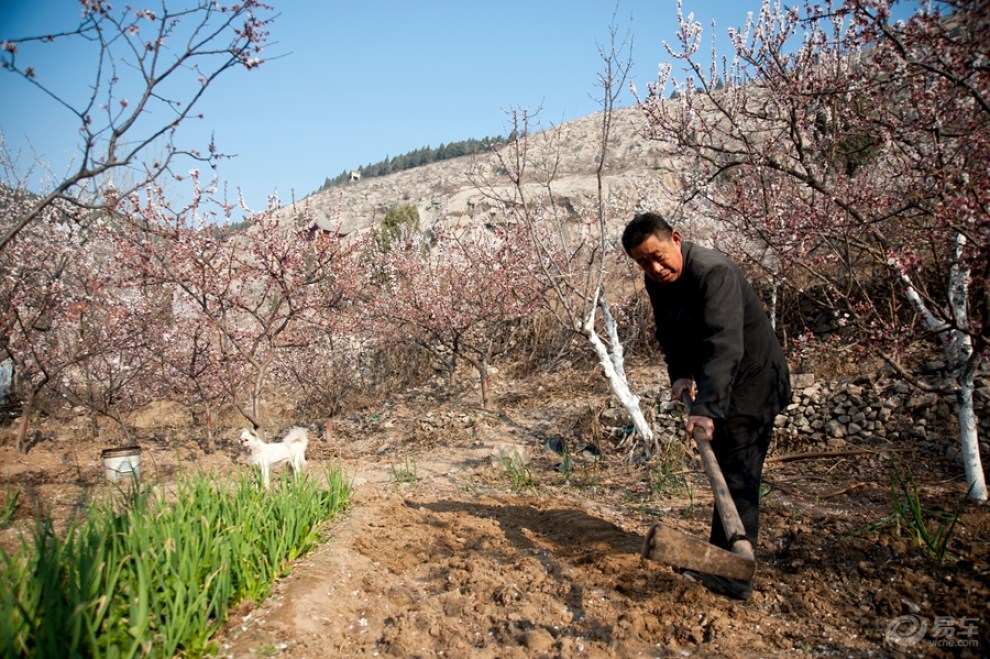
point(461, 566)
point(444, 570)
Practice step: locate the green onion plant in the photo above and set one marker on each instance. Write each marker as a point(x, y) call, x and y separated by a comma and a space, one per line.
point(151, 573)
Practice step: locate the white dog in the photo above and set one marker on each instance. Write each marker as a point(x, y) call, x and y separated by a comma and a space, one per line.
point(291, 449)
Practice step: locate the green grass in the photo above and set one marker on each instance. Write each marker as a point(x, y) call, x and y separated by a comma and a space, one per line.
point(150, 574)
point(931, 529)
point(406, 472)
point(9, 506)
point(594, 473)
point(669, 475)
point(515, 469)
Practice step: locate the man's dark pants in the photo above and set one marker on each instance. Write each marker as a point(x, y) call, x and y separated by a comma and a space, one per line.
point(740, 445)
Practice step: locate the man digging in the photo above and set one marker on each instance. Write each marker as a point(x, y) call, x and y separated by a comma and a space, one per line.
point(721, 351)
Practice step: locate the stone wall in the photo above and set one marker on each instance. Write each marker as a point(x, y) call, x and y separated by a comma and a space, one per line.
point(827, 415)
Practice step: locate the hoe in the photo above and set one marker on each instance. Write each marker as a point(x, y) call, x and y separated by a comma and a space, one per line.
point(680, 550)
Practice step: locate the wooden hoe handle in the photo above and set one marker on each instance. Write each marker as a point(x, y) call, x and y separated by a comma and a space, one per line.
point(726, 507)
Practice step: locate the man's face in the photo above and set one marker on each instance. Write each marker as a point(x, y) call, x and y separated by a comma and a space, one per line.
point(660, 258)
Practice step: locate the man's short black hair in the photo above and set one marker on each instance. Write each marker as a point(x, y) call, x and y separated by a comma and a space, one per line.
point(642, 227)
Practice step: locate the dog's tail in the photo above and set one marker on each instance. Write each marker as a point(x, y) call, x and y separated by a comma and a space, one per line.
point(297, 436)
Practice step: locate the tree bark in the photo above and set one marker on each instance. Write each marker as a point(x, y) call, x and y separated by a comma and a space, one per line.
point(969, 438)
point(617, 380)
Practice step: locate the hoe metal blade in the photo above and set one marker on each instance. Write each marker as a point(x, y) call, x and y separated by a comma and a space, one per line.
point(678, 549)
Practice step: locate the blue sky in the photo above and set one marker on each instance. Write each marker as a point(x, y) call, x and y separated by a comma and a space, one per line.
point(353, 82)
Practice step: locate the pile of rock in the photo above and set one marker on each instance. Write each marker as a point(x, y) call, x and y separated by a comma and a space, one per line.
point(837, 413)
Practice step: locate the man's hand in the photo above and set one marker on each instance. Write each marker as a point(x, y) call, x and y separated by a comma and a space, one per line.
point(702, 423)
point(680, 386)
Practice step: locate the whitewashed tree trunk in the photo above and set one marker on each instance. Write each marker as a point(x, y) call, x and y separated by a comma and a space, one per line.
point(612, 363)
point(960, 360)
point(773, 304)
point(617, 354)
point(969, 435)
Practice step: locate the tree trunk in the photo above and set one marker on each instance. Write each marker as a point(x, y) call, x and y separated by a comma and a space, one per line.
point(616, 378)
point(483, 372)
point(969, 437)
point(617, 354)
point(620, 388)
point(209, 429)
point(773, 304)
point(960, 358)
point(26, 411)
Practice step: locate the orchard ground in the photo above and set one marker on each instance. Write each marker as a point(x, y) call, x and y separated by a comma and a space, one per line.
point(448, 551)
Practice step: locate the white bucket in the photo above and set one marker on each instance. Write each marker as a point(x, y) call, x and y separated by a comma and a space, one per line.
point(122, 462)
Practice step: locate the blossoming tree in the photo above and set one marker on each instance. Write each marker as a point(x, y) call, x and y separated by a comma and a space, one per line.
point(244, 304)
point(574, 247)
point(458, 296)
point(150, 68)
point(848, 150)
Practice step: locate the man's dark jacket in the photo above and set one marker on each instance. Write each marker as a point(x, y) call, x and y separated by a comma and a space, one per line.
point(712, 328)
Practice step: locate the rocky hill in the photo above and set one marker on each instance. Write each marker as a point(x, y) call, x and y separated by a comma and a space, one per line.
point(453, 192)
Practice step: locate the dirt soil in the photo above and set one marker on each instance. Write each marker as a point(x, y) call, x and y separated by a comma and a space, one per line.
point(446, 551)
